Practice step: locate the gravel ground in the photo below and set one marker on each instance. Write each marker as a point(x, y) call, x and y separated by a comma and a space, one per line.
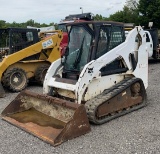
point(134, 133)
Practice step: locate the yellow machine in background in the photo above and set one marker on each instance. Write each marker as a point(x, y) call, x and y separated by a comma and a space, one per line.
point(24, 56)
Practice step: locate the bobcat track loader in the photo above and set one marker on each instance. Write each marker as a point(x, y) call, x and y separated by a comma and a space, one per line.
point(101, 77)
point(23, 56)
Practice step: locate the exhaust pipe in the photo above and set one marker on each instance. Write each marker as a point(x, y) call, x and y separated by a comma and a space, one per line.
point(2, 92)
point(51, 119)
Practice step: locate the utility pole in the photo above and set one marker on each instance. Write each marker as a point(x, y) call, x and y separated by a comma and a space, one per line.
point(81, 9)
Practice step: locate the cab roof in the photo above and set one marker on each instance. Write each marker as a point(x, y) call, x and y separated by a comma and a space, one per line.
point(97, 23)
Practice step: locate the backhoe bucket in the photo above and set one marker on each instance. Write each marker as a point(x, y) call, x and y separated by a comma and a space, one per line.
point(51, 119)
point(2, 92)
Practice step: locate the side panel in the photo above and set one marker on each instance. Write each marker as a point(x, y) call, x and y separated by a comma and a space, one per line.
point(100, 84)
point(49, 75)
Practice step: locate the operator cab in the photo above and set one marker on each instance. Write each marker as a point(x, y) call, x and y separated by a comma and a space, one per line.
point(15, 39)
point(71, 19)
point(88, 41)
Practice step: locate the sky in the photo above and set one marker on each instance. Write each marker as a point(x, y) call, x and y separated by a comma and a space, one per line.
point(49, 11)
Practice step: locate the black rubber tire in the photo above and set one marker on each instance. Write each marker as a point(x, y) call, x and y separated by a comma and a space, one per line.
point(40, 73)
point(15, 79)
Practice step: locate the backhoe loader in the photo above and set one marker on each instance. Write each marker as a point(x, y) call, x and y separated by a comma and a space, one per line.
point(101, 77)
point(23, 56)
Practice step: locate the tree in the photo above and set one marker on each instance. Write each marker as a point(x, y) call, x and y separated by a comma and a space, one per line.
point(30, 22)
point(127, 15)
point(2, 23)
point(149, 12)
point(99, 17)
point(118, 16)
point(132, 4)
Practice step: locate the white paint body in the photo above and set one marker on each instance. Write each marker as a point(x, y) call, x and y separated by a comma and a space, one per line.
point(91, 83)
point(149, 45)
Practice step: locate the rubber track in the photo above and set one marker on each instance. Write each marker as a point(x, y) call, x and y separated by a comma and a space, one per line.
point(92, 105)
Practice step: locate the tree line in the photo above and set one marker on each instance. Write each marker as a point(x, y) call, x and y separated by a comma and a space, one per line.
point(139, 12)
point(4, 24)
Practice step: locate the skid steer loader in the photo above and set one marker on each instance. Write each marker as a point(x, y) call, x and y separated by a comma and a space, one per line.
point(24, 56)
point(101, 77)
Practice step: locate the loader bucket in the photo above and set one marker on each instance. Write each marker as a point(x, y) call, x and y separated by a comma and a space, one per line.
point(51, 119)
point(2, 92)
